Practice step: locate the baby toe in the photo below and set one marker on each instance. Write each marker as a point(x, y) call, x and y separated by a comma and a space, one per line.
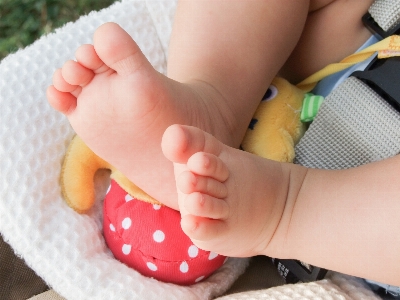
point(189, 182)
point(76, 74)
point(207, 164)
point(203, 205)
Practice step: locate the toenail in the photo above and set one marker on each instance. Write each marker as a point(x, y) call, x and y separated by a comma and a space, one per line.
point(185, 144)
point(202, 200)
point(195, 226)
point(206, 162)
point(194, 180)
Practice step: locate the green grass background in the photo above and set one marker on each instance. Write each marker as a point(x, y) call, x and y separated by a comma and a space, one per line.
point(23, 21)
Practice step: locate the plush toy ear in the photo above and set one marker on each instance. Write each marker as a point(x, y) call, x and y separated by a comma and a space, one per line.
point(77, 177)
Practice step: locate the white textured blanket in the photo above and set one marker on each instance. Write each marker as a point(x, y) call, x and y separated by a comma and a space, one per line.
point(66, 249)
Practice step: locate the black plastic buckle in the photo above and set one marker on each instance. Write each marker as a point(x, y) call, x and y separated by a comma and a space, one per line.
point(294, 271)
point(383, 76)
point(371, 24)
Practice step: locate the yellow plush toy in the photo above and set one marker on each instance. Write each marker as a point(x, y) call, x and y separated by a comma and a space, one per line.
point(276, 126)
point(135, 225)
point(77, 177)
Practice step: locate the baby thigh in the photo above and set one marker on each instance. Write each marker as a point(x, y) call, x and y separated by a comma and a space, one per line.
point(333, 30)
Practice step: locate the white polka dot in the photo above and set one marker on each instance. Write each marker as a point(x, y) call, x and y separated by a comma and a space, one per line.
point(212, 255)
point(112, 228)
point(184, 267)
point(151, 266)
point(199, 279)
point(158, 236)
point(193, 251)
point(126, 249)
point(109, 189)
point(126, 223)
point(156, 206)
point(128, 198)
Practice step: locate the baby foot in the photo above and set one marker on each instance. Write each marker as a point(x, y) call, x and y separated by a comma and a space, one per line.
point(120, 106)
point(233, 201)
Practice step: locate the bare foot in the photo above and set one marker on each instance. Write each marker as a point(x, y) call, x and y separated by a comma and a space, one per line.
point(120, 106)
point(233, 201)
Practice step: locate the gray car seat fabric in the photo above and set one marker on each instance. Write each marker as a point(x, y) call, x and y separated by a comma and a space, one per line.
point(386, 13)
point(354, 126)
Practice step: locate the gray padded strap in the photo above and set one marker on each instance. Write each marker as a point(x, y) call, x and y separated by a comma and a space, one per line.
point(386, 13)
point(354, 126)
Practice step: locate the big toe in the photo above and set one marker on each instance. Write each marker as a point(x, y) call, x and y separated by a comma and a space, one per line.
point(118, 50)
point(180, 142)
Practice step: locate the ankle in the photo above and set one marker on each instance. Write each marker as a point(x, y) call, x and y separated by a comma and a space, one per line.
point(222, 121)
point(293, 182)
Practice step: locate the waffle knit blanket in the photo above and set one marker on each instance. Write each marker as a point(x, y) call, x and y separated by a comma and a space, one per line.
point(67, 249)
